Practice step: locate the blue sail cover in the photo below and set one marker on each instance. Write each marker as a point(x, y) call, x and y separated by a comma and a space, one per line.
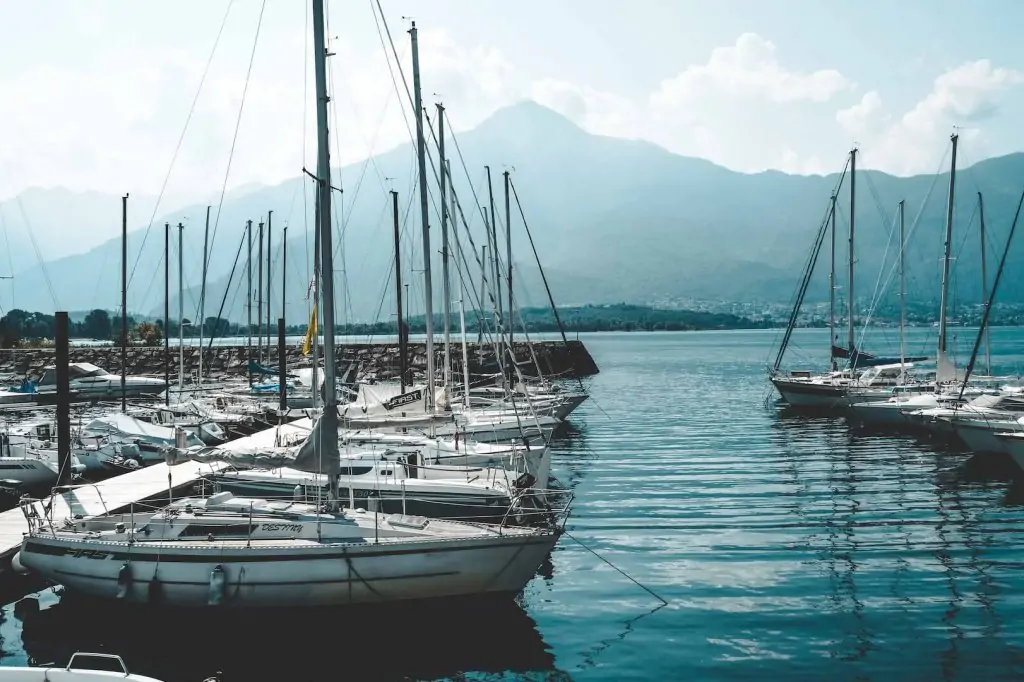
point(862, 359)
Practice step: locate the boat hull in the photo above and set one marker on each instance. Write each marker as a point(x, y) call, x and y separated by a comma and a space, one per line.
point(982, 437)
point(203, 574)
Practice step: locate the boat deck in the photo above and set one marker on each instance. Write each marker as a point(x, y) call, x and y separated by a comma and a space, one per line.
point(157, 482)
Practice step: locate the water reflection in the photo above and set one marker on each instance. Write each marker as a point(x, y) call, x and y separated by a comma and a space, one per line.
point(389, 643)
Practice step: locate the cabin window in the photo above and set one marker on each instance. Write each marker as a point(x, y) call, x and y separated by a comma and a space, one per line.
point(355, 471)
point(220, 529)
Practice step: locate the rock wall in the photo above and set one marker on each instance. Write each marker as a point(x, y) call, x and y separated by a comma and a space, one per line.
point(355, 361)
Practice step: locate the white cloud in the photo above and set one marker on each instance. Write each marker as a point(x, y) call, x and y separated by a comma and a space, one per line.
point(749, 68)
point(963, 97)
point(738, 107)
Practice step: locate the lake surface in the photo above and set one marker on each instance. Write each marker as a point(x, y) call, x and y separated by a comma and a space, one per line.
point(787, 546)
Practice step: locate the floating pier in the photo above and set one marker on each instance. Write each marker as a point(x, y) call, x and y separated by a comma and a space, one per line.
point(149, 485)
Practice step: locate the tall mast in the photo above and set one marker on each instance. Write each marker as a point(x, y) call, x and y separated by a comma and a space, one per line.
point(496, 299)
point(424, 217)
point(202, 294)
point(259, 296)
point(124, 300)
point(849, 285)
point(181, 310)
point(832, 293)
point(458, 252)
point(984, 285)
point(903, 291)
point(508, 266)
point(493, 235)
point(483, 286)
point(248, 301)
point(317, 308)
point(445, 283)
point(270, 218)
point(284, 271)
point(402, 349)
point(944, 369)
point(167, 313)
point(323, 176)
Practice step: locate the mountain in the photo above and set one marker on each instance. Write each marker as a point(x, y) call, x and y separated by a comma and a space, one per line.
point(614, 220)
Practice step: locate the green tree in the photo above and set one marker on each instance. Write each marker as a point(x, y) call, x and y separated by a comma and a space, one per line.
point(97, 325)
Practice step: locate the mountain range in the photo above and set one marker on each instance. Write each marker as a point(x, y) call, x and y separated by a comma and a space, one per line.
point(614, 220)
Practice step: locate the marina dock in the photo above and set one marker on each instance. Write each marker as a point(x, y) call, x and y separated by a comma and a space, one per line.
point(117, 494)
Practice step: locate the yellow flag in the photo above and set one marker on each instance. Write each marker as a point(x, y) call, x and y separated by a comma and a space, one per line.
point(307, 343)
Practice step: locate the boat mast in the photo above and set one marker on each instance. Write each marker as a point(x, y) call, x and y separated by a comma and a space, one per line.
point(493, 235)
point(445, 279)
point(944, 370)
point(831, 292)
point(849, 285)
point(903, 293)
point(323, 177)
point(167, 313)
point(483, 288)
point(284, 270)
point(259, 296)
point(317, 309)
point(402, 349)
point(508, 265)
point(463, 288)
point(181, 311)
point(424, 217)
point(984, 284)
point(124, 300)
point(202, 294)
point(270, 218)
point(248, 301)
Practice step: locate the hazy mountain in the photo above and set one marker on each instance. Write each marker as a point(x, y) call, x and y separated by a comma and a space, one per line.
point(613, 219)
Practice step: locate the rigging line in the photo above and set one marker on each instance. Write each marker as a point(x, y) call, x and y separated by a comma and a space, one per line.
point(181, 139)
point(227, 288)
point(32, 239)
point(234, 137)
point(398, 63)
point(878, 281)
point(913, 228)
point(10, 261)
point(624, 574)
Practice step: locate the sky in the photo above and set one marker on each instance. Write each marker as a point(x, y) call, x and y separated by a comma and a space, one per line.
point(99, 95)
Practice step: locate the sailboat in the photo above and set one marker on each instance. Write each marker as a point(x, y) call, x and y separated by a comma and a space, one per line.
point(252, 552)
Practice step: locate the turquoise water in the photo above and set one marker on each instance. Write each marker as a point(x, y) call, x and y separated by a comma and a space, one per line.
point(786, 546)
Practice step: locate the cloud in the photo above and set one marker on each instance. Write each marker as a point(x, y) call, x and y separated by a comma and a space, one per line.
point(748, 68)
point(963, 97)
point(736, 108)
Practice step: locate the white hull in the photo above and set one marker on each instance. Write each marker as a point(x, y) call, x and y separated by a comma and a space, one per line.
point(313, 574)
point(982, 437)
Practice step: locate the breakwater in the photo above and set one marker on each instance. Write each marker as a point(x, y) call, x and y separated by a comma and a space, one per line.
point(356, 360)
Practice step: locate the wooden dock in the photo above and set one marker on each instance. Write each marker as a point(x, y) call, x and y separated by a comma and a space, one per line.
point(152, 484)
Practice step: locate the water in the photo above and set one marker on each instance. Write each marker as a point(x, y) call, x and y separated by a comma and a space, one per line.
point(786, 546)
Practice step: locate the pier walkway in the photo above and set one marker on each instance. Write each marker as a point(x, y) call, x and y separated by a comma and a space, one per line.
point(153, 483)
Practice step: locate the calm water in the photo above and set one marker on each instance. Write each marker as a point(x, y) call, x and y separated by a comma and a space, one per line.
point(786, 546)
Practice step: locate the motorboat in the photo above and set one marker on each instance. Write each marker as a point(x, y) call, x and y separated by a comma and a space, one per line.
point(83, 667)
point(89, 381)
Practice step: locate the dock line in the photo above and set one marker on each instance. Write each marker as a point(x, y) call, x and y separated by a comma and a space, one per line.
point(664, 602)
